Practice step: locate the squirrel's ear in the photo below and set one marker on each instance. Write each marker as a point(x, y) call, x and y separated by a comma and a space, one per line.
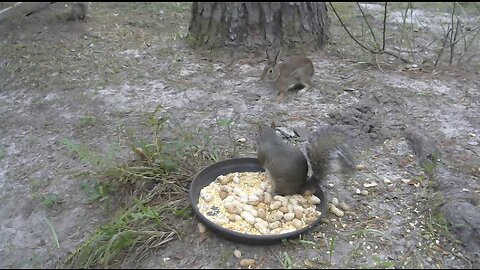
point(272, 125)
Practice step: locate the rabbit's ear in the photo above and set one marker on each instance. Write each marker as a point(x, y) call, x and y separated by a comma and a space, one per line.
point(277, 57)
point(270, 55)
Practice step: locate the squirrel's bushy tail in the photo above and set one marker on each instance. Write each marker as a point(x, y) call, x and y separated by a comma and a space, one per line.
point(325, 143)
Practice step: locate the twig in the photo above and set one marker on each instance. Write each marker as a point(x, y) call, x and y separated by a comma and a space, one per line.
point(348, 32)
point(416, 51)
point(465, 34)
point(412, 45)
point(352, 254)
point(396, 56)
point(437, 247)
point(455, 40)
point(405, 257)
point(476, 6)
point(368, 25)
point(453, 35)
point(417, 258)
point(470, 58)
point(378, 64)
point(468, 46)
point(53, 232)
point(384, 26)
point(378, 51)
point(443, 46)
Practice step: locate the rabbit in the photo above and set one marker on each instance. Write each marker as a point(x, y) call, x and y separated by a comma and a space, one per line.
point(294, 70)
point(78, 11)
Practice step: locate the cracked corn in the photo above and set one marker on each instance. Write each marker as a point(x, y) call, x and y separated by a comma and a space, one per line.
point(244, 202)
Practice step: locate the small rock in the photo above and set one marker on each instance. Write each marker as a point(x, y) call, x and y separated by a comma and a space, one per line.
point(364, 192)
point(237, 253)
point(335, 201)
point(360, 167)
point(242, 140)
point(357, 191)
point(371, 184)
point(201, 228)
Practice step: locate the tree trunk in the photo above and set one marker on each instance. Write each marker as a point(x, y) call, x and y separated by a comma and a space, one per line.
point(253, 24)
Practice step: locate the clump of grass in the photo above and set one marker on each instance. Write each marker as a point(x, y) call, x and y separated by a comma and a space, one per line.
point(286, 261)
point(87, 120)
point(331, 247)
point(89, 156)
point(51, 199)
point(3, 152)
point(140, 228)
point(436, 224)
point(429, 166)
point(156, 182)
point(379, 263)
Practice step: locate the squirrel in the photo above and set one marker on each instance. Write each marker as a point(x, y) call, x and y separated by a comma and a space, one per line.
point(78, 11)
point(287, 166)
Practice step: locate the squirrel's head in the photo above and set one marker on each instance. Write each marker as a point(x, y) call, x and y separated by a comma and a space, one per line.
point(266, 131)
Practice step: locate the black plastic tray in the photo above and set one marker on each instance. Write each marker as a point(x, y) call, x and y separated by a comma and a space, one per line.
point(209, 174)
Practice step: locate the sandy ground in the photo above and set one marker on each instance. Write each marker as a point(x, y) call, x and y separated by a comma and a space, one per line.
point(47, 96)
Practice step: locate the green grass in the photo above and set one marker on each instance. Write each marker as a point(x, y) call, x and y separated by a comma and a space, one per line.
point(436, 225)
point(286, 261)
point(54, 234)
point(3, 151)
point(86, 121)
point(378, 263)
point(51, 199)
point(331, 247)
point(304, 243)
point(141, 225)
point(156, 183)
point(90, 156)
point(227, 255)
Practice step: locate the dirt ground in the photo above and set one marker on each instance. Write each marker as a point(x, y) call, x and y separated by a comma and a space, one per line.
point(93, 82)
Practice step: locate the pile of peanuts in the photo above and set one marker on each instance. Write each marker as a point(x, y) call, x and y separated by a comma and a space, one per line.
point(245, 202)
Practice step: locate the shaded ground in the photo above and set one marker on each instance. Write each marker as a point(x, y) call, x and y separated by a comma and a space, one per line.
point(94, 82)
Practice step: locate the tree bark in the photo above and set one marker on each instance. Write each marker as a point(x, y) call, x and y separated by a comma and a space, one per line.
point(253, 24)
